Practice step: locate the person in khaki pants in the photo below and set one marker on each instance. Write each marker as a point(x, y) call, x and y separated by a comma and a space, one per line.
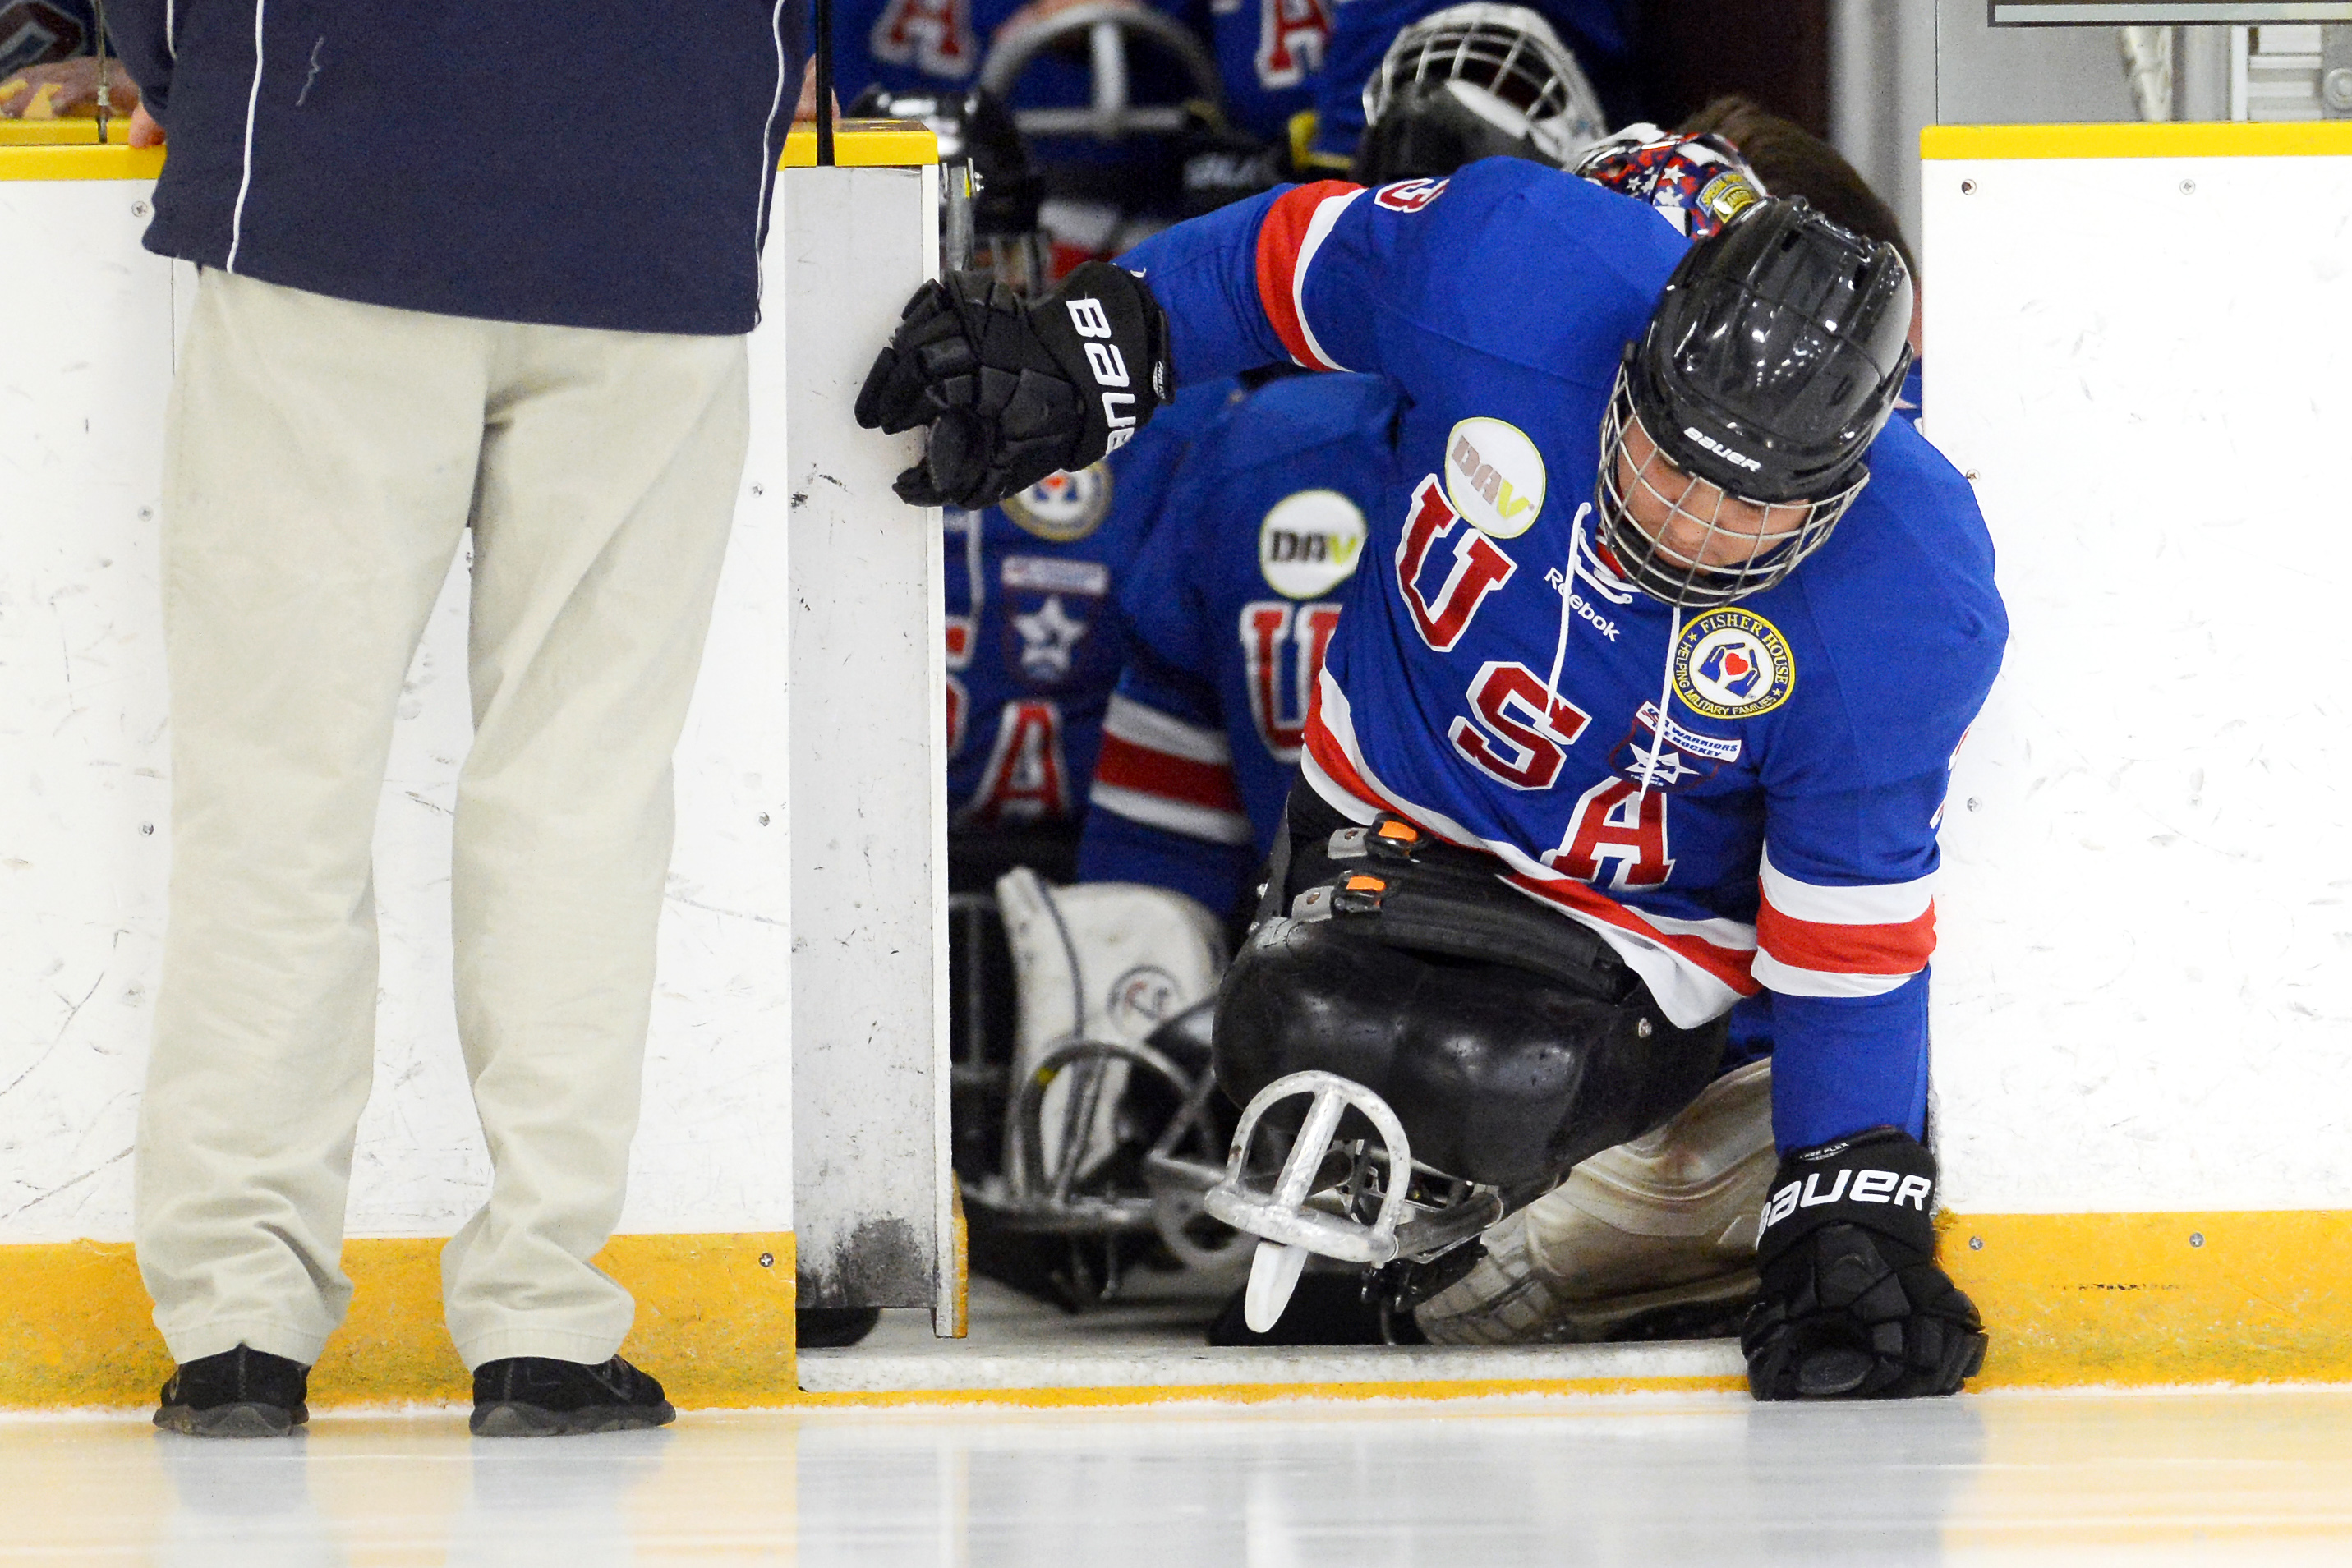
point(532, 326)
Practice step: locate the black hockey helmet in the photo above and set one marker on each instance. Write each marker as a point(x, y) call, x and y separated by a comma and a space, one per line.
point(1770, 365)
point(1426, 132)
point(1775, 354)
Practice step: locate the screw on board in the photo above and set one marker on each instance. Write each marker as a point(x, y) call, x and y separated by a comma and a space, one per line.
point(1968, 187)
point(2196, 1238)
point(1976, 1243)
point(767, 1259)
point(1975, 804)
point(763, 819)
point(146, 514)
point(138, 209)
point(2188, 187)
point(1642, 1029)
point(148, 828)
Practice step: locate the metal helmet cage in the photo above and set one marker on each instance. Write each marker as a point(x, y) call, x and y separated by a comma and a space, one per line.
point(1507, 64)
point(1770, 365)
point(1683, 580)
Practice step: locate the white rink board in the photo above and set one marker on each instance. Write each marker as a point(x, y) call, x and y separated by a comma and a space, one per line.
point(84, 774)
point(2143, 995)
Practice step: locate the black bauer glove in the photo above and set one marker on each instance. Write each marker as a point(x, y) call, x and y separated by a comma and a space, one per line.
point(1014, 391)
point(1853, 1305)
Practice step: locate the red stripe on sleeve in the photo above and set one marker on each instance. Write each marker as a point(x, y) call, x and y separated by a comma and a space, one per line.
point(1828, 950)
point(1279, 238)
point(1127, 766)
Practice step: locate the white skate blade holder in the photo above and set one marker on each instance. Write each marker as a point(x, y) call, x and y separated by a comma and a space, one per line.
point(1291, 1220)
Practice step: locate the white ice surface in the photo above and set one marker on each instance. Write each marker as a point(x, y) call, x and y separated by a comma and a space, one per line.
point(2246, 1478)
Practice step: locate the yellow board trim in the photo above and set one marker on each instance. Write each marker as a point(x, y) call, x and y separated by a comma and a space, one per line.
point(1425, 1391)
point(713, 1321)
point(2222, 139)
point(2071, 1299)
point(864, 145)
point(86, 161)
point(67, 149)
point(68, 132)
point(2257, 1296)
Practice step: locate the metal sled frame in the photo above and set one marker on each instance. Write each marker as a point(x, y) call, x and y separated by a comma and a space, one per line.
point(1313, 1202)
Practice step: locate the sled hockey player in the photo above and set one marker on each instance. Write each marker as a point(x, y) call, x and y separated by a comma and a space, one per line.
point(1590, 760)
point(1230, 607)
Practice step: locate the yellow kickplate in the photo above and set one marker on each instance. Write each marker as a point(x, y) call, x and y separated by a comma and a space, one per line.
point(89, 162)
point(2237, 1297)
point(866, 144)
point(714, 1323)
point(2220, 139)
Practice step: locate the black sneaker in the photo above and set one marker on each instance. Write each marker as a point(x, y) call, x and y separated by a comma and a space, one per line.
point(535, 1397)
point(240, 1393)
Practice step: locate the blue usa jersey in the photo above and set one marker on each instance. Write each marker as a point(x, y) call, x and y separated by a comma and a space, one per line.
point(1737, 800)
point(1230, 609)
point(1035, 639)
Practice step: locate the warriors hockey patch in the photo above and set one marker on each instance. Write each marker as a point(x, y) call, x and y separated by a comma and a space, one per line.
point(1733, 664)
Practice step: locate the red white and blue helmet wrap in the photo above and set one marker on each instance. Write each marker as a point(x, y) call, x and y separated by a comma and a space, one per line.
point(1697, 183)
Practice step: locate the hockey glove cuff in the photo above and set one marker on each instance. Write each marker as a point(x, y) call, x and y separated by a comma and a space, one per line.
point(1853, 1305)
point(1013, 391)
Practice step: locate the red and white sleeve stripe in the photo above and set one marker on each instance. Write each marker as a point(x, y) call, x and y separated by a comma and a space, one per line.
point(1158, 769)
point(1294, 229)
point(1817, 941)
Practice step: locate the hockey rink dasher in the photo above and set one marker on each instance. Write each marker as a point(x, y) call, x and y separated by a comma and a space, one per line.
point(2141, 1014)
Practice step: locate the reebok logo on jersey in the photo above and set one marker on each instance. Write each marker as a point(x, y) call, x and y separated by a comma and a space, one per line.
point(1867, 1187)
point(1494, 477)
point(1720, 450)
point(1581, 605)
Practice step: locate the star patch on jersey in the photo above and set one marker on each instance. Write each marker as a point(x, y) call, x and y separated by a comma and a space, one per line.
point(1063, 507)
point(1732, 663)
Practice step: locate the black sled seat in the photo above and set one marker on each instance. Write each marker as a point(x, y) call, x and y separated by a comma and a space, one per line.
point(1499, 1076)
point(1421, 1048)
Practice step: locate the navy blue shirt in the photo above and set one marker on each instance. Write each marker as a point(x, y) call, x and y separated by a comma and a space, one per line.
point(598, 163)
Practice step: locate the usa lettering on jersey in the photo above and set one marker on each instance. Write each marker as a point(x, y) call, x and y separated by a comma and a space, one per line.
point(1280, 639)
point(1291, 41)
point(1027, 779)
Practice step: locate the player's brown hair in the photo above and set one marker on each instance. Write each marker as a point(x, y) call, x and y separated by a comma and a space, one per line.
point(1793, 161)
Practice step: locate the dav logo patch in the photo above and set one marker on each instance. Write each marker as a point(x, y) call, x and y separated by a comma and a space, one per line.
point(1409, 195)
point(1731, 663)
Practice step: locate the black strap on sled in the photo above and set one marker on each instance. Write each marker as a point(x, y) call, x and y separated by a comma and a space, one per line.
point(1394, 884)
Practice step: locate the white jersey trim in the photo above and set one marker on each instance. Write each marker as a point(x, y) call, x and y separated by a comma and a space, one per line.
point(1883, 903)
point(1139, 724)
point(1791, 981)
point(1318, 229)
point(1202, 822)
